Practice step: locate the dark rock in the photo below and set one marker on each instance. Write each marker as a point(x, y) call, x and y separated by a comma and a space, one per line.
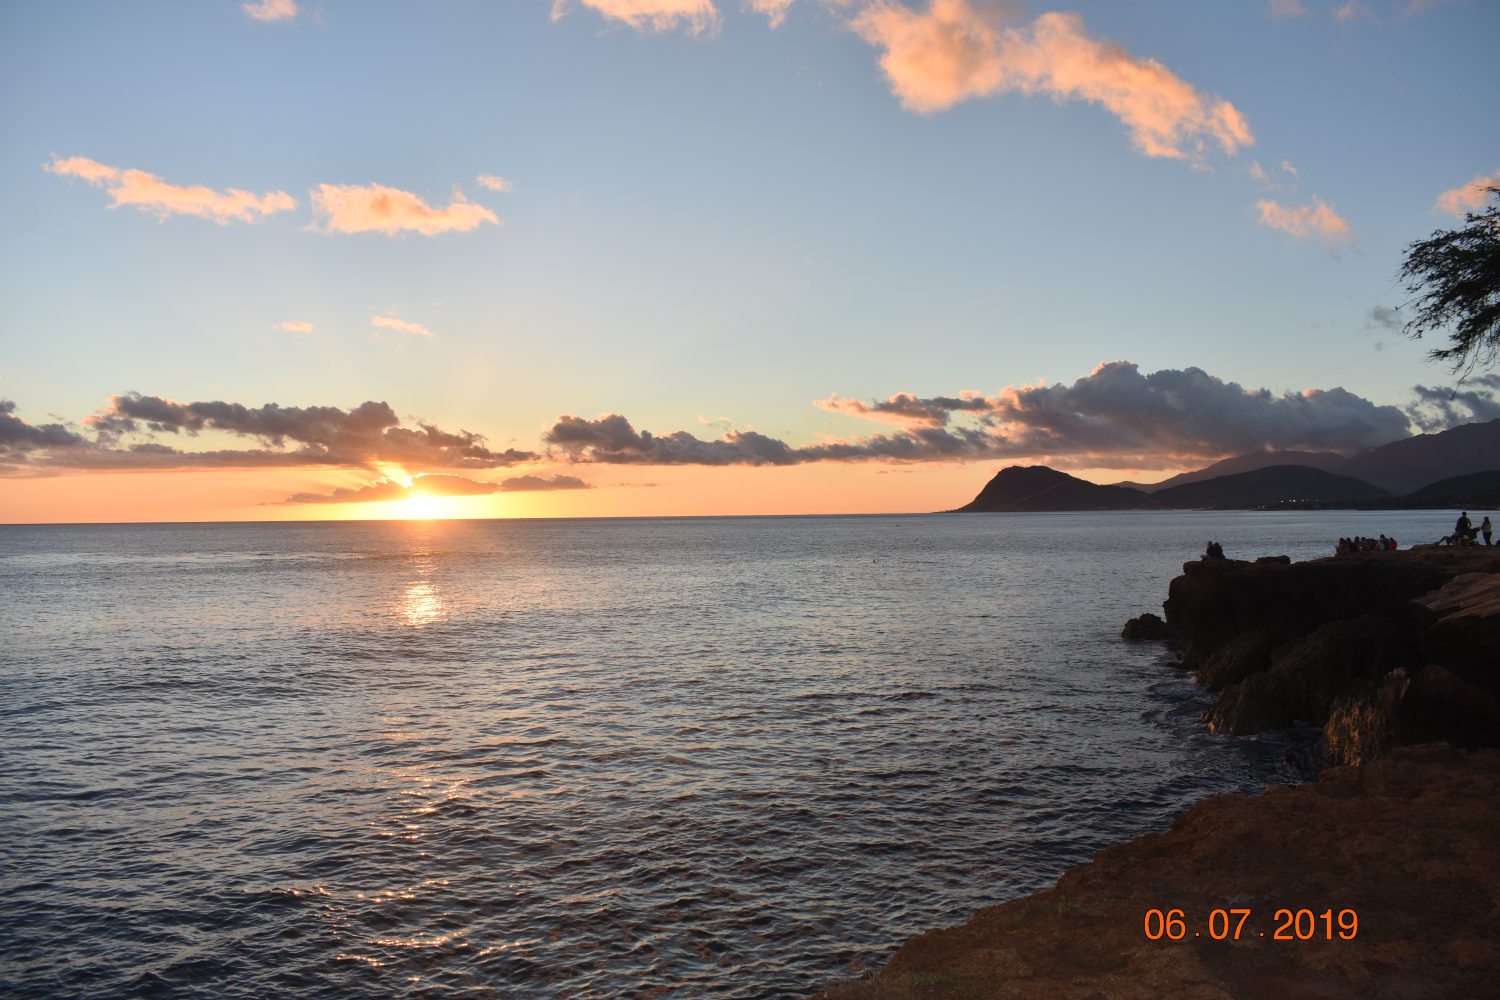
point(1247, 653)
point(1212, 602)
point(1365, 723)
point(1307, 674)
point(1269, 560)
point(1144, 627)
point(1441, 705)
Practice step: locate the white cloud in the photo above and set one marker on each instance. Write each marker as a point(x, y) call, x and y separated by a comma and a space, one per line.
point(495, 183)
point(960, 49)
point(404, 326)
point(1467, 197)
point(375, 208)
point(271, 10)
point(693, 16)
point(1316, 219)
point(149, 193)
point(296, 326)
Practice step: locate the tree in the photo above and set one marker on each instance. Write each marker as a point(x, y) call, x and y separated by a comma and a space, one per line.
point(1455, 276)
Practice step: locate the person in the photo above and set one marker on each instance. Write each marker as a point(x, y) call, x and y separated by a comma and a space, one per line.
point(1486, 528)
point(1463, 527)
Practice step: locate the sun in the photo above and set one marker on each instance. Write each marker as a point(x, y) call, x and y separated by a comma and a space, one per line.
point(420, 507)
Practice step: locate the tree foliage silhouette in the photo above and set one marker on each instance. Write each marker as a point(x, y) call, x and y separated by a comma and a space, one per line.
point(1455, 276)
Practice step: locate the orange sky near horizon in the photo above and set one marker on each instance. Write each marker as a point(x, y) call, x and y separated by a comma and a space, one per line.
point(619, 491)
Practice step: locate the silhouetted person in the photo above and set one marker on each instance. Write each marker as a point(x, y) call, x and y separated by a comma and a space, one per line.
point(1484, 526)
point(1463, 527)
point(1214, 551)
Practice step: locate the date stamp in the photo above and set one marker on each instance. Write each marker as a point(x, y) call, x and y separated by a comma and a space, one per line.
point(1235, 923)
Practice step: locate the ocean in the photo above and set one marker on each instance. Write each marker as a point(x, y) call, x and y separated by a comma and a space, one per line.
point(737, 757)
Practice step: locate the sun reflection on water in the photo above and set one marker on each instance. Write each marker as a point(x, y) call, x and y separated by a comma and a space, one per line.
point(421, 604)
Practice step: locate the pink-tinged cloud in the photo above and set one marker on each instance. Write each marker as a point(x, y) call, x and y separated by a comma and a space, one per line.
point(1467, 197)
point(295, 326)
point(271, 10)
point(438, 485)
point(404, 326)
point(1314, 220)
point(693, 16)
point(495, 183)
point(375, 208)
point(1349, 11)
point(1287, 8)
point(774, 10)
point(960, 49)
point(149, 193)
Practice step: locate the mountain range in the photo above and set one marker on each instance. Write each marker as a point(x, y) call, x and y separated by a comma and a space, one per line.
point(1460, 466)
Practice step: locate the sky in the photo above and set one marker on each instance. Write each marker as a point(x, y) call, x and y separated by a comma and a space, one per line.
point(292, 259)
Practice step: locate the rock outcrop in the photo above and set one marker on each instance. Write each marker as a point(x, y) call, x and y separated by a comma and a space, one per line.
point(1379, 648)
point(1408, 843)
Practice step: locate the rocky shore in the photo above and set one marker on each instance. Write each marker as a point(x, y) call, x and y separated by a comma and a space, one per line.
point(1396, 655)
point(1379, 649)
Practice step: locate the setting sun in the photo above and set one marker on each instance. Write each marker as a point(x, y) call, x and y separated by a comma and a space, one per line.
point(420, 507)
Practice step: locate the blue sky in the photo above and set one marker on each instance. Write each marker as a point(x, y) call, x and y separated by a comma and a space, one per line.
point(721, 223)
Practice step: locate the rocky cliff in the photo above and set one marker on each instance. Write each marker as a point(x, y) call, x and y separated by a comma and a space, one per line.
point(1379, 648)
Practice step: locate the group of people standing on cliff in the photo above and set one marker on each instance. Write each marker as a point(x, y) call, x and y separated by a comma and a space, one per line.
point(1349, 546)
point(1464, 532)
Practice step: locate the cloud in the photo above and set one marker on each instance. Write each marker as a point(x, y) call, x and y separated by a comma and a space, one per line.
point(906, 408)
point(18, 437)
point(1258, 174)
point(375, 208)
point(1113, 417)
point(1286, 165)
point(1384, 317)
point(1467, 197)
point(960, 49)
point(405, 326)
point(1317, 219)
point(1350, 10)
point(495, 183)
point(1287, 8)
point(365, 437)
point(271, 10)
point(438, 485)
point(1437, 409)
point(775, 10)
point(149, 193)
point(295, 326)
point(693, 16)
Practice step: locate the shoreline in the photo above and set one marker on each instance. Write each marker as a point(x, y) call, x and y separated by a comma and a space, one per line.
point(1392, 654)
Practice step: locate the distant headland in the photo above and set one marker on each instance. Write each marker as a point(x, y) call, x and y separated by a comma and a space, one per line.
point(1454, 468)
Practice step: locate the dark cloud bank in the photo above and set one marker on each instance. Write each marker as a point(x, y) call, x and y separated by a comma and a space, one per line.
point(286, 436)
point(1114, 417)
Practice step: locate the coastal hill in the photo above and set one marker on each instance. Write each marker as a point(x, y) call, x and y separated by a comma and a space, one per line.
point(1457, 467)
point(1038, 488)
point(1407, 465)
point(1276, 484)
point(1328, 461)
point(1478, 489)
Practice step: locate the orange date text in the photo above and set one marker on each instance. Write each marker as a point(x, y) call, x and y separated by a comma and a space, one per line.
point(1235, 923)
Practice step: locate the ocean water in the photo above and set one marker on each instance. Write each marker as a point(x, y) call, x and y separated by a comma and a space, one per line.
point(740, 757)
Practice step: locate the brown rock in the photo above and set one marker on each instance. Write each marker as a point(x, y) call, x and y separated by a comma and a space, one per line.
point(1407, 842)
